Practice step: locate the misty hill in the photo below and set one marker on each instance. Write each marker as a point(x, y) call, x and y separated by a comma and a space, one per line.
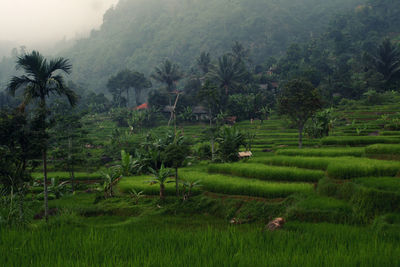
point(138, 34)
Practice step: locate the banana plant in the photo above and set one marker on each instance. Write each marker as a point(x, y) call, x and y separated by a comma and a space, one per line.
point(136, 195)
point(58, 189)
point(127, 163)
point(110, 178)
point(161, 177)
point(188, 186)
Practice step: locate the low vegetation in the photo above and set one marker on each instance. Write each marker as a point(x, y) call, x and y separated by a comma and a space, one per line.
point(263, 172)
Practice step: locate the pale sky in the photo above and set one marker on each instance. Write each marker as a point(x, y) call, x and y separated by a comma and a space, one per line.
point(39, 21)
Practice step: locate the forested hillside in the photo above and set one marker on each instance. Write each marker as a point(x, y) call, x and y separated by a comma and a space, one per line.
point(138, 34)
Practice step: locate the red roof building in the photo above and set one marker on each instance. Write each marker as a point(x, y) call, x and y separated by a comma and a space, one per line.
point(142, 106)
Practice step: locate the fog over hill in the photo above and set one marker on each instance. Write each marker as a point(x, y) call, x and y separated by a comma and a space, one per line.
point(43, 23)
point(138, 34)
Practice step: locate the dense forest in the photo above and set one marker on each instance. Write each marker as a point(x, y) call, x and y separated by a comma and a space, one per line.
point(140, 34)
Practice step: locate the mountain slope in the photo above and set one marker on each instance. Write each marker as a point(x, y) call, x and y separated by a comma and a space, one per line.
point(138, 34)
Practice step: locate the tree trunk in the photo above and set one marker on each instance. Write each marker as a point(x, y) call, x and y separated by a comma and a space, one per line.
point(176, 182)
point(46, 199)
point(137, 96)
point(44, 154)
point(70, 166)
point(127, 97)
point(301, 127)
point(212, 148)
point(72, 179)
point(162, 191)
point(212, 134)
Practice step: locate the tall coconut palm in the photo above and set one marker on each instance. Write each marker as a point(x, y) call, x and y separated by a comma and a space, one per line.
point(240, 53)
point(204, 62)
point(41, 79)
point(167, 73)
point(387, 60)
point(228, 74)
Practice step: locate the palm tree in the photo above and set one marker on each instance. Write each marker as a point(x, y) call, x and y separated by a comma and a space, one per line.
point(139, 82)
point(240, 53)
point(228, 74)
point(169, 74)
point(386, 60)
point(41, 79)
point(204, 62)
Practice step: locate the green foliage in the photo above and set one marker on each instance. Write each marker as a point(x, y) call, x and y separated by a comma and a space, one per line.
point(234, 185)
point(168, 73)
point(367, 201)
point(317, 163)
point(127, 164)
point(391, 123)
point(386, 61)
point(13, 213)
point(204, 62)
point(136, 195)
point(391, 184)
point(299, 100)
point(263, 172)
point(229, 139)
point(383, 149)
point(321, 124)
point(178, 31)
point(323, 152)
point(188, 188)
point(110, 178)
point(362, 168)
point(124, 81)
point(196, 238)
point(228, 74)
point(141, 183)
point(321, 209)
point(359, 140)
point(160, 177)
point(20, 145)
point(120, 116)
point(202, 151)
point(187, 115)
point(56, 188)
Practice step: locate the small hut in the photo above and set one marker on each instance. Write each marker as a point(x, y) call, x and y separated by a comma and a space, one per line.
point(245, 154)
point(200, 113)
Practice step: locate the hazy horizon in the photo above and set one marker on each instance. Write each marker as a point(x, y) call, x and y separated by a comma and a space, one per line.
point(46, 22)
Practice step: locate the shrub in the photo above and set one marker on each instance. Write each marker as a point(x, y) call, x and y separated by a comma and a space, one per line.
point(229, 139)
point(203, 151)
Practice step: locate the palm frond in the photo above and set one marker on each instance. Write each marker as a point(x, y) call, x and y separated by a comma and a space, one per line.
point(33, 64)
point(61, 64)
